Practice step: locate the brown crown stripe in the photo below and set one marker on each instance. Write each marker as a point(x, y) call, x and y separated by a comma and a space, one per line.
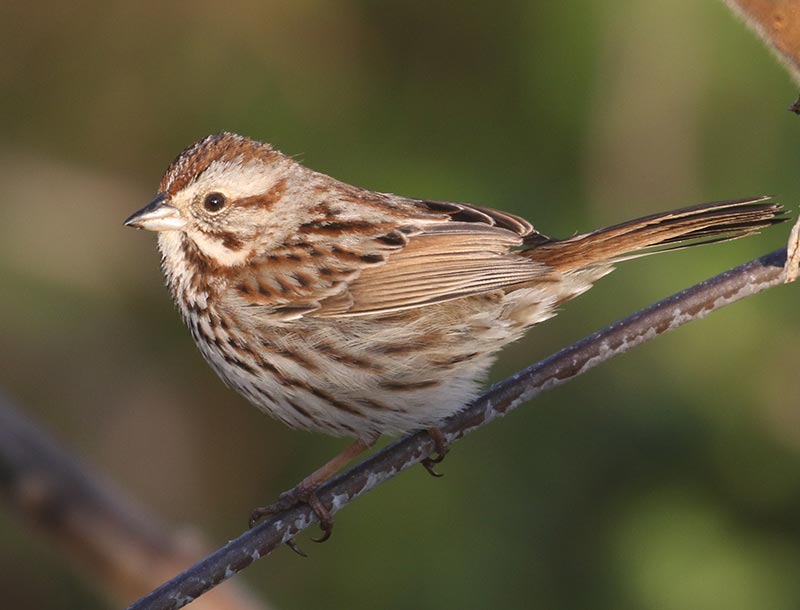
point(197, 158)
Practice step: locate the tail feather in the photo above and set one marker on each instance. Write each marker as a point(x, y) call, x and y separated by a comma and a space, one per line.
point(683, 228)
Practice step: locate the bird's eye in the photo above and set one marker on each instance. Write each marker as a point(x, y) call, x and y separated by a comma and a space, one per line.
point(214, 202)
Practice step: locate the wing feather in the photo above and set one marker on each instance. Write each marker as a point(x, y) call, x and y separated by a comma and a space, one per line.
point(442, 262)
point(433, 252)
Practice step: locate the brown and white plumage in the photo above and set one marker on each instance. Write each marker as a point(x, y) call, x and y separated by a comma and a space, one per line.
point(357, 313)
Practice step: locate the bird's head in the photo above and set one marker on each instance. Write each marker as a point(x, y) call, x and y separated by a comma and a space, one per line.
point(220, 194)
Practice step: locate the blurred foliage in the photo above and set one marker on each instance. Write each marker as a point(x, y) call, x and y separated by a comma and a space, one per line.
point(667, 479)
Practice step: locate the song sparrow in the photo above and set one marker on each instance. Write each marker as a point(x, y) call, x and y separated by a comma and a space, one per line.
point(357, 313)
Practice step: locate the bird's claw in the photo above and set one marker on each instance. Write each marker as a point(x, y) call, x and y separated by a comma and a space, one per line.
point(290, 499)
point(442, 447)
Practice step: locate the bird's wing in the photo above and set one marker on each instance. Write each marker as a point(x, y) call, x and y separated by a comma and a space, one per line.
point(445, 251)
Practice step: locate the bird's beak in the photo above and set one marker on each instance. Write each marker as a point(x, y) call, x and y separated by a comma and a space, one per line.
point(157, 215)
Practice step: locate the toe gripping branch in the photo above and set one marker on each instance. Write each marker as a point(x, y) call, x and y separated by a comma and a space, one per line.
point(306, 491)
point(442, 447)
point(289, 499)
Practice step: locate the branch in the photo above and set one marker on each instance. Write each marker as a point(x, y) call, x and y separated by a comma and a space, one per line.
point(124, 550)
point(696, 302)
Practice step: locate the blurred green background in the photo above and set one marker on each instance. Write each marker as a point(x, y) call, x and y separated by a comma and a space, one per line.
point(667, 479)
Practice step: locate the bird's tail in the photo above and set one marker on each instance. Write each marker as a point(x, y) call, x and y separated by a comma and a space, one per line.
point(693, 226)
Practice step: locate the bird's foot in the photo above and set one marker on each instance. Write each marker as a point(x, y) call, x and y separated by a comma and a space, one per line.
point(442, 447)
point(306, 493)
point(301, 494)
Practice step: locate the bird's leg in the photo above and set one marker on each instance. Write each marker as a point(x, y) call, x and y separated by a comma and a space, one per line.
point(305, 492)
point(442, 447)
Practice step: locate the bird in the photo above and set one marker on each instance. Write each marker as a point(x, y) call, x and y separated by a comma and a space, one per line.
point(360, 314)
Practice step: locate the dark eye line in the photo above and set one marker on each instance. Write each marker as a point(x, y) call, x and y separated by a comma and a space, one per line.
point(214, 202)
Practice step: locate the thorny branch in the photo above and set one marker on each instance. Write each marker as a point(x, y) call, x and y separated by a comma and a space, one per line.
point(693, 303)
